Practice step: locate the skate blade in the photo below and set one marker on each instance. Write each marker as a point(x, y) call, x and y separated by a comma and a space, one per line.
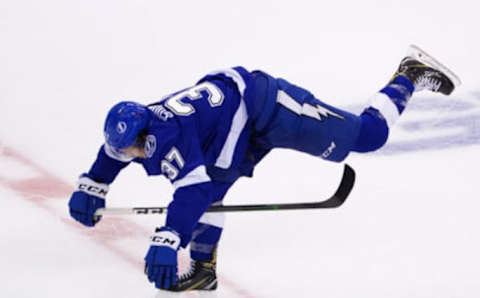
point(420, 55)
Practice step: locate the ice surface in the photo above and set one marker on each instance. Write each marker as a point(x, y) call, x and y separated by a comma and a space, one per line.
point(409, 228)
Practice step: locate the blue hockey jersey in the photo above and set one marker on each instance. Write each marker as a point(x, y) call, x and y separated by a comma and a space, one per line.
point(199, 139)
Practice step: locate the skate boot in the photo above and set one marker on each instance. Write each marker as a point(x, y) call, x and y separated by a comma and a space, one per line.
point(201, 276)
point(426, 73)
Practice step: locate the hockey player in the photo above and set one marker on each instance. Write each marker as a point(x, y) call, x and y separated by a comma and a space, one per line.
point(205, 137)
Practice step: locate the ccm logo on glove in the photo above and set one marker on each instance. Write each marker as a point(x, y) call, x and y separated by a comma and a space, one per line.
point(165, 238)
point(162, 240)
point(92, 188)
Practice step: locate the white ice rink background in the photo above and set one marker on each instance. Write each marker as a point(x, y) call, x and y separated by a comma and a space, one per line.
point(409, 228)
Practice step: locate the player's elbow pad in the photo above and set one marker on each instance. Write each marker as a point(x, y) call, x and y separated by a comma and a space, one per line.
point(373, 132)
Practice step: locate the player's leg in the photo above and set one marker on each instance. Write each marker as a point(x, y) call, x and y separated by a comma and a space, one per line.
point(203, 248)
point(206, 237)
point(302, 122)
point(385, 108)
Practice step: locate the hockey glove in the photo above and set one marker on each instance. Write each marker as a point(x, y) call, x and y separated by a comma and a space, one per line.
point(88, 197)
point(161, 258)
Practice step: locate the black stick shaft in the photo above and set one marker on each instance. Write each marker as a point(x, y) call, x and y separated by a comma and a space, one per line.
point(341, 194)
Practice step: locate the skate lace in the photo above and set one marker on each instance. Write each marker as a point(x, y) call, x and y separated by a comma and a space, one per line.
point(187, 275)
point(427, 81)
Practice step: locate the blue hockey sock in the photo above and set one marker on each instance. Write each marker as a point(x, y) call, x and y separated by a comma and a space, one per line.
point(399, 91)
point(204, 242)
point(392, 99)
point(385, 108)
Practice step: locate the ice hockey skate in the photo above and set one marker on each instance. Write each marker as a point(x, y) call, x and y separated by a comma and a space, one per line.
point(201, 276)
point(426, 73)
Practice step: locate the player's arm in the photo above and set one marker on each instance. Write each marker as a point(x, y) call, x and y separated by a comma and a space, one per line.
point(93, 186)
point(183, 165)
point(193, 195)
point(187, 172)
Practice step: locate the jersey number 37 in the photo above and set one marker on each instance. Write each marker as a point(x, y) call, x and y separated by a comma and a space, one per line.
point(175, 104)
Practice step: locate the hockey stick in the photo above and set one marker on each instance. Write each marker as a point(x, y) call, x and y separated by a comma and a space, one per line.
point(343, 190)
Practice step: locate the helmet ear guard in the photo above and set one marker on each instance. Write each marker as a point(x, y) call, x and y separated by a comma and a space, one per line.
point(125, 124)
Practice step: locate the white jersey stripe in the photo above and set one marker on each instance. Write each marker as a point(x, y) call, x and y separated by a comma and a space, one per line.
point(235, 76)
point(224, 160)
point(195, 176)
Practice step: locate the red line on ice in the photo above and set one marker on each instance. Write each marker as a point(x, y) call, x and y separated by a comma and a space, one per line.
point(46, 186)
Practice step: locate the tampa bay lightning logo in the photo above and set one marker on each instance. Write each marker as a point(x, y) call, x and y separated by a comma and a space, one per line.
point(121, 127)
point(150, 145)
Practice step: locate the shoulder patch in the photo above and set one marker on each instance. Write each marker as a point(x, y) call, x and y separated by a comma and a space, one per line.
point(150, 145)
